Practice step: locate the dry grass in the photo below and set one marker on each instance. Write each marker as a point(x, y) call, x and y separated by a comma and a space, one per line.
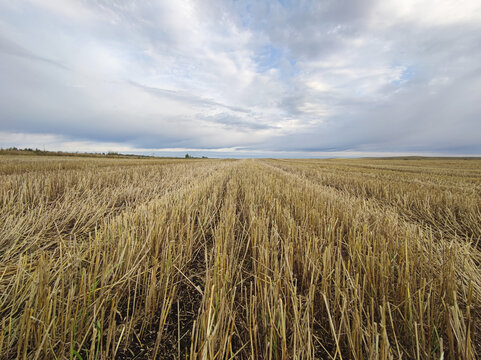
point(269, 259)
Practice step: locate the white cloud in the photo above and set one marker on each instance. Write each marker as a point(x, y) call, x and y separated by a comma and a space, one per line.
point(70, 9)
point(428, 12)
point(231, 75)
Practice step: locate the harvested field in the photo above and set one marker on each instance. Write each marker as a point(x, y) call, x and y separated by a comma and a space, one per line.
point(252, 259)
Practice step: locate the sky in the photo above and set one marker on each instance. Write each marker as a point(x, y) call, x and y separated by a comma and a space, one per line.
point(242, 78)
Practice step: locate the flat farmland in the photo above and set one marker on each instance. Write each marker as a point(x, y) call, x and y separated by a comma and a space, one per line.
point(105, 258)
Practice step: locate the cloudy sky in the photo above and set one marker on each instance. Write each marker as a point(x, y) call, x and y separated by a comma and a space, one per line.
point(242, 78)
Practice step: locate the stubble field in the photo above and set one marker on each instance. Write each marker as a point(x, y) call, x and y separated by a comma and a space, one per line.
point(252, 259)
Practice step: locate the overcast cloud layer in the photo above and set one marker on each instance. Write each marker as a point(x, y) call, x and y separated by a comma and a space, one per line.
point(242, 78)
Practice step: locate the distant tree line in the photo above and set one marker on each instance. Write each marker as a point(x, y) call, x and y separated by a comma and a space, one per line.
point(36, 151)
point(30, 151)
point(187, 156)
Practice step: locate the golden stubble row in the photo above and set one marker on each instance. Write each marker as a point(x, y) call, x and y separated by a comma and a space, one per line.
point(232, 259)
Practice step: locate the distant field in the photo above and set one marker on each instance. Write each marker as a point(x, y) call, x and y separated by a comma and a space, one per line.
point(104, 258)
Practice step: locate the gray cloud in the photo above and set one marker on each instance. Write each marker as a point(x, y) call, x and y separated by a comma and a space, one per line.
point(264, 76)
point(188, 98)
point(235, 122)
point(11, 48)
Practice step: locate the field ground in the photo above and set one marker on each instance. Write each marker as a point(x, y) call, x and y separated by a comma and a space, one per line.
point(254, 259)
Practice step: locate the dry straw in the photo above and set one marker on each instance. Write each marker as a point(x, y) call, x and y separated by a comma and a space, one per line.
point(215, 259)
